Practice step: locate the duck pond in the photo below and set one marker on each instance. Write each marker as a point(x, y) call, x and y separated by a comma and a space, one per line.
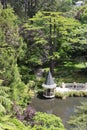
point(62, 108)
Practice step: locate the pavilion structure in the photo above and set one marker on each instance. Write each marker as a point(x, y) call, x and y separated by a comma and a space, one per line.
point(49, 87)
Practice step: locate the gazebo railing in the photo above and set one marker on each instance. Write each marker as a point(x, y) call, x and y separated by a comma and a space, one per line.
point(48, 93)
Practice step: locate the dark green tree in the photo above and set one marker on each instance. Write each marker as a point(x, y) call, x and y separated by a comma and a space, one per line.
point(56, 29)
point(10, 50)
point(10, 45)
point(64, 5)
point(35, 51)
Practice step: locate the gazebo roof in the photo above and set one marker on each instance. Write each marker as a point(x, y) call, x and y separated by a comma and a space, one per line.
point(49, 83)
point(79, 3)
point(49, 79)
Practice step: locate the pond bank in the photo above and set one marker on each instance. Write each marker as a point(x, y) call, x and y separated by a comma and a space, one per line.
point(63, 93)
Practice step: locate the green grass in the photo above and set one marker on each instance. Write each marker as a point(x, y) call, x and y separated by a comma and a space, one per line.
point(79, 66)
point(71, 72)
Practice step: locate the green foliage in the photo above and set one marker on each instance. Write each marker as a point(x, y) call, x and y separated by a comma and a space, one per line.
point(47, 36)
point(7, 17)
point(10, 45)
point(79, 121)
point(5, 102)
point(64, 95)
point(57, 29)
point(79, 35)
point(45, 121)
point(47, 5)
point(19, 91)
point(18, 7)
point(64, 5)
point(11, 48)
point(82, 14)
point(9, 123)
point(19, 124)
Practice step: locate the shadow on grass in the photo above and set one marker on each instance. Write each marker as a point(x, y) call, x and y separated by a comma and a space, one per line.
point(70, 73)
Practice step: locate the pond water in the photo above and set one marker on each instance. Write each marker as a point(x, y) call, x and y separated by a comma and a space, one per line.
point(62, 108)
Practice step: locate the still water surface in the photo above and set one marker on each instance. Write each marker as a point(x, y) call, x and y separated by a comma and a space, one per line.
point(62, 108)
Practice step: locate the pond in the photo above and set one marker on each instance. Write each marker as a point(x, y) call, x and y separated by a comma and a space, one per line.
point(62, 108)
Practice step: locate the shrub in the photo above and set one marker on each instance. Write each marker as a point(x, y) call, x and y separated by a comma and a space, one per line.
point(63, 95)
point(45, 121)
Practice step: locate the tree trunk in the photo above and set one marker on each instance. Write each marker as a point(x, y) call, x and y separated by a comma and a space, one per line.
point(30, 8)
point(51, 51)
point(26, 8)
point(4, 3)
point(32, 4)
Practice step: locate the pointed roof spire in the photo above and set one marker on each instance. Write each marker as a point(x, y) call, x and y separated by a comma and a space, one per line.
point(49, 80)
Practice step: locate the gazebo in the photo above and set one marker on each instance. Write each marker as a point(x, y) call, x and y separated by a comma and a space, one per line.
point(79, 3)
point(49, 87)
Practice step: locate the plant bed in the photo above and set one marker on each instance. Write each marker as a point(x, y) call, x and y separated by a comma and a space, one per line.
point(64, 95)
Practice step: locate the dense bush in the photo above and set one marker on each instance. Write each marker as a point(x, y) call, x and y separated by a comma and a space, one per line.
point(45, 121)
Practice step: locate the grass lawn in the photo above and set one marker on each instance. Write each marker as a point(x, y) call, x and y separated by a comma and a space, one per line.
point(71, 72)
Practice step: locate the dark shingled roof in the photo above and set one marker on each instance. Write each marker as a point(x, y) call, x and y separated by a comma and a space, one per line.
point(49, 79)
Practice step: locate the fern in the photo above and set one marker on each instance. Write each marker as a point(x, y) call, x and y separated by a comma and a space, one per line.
point(5, 102)
point(2, 108)
point(8, 123)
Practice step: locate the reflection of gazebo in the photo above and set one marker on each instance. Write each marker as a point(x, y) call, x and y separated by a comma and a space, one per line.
point(49, 87)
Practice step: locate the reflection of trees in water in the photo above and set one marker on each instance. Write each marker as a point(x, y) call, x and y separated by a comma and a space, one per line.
point(49, 111)
point(50, 106)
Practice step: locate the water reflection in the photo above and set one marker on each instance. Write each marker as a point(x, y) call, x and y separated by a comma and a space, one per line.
point(61, 108)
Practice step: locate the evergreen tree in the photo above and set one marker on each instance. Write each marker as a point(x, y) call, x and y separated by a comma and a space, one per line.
point(57, 29)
